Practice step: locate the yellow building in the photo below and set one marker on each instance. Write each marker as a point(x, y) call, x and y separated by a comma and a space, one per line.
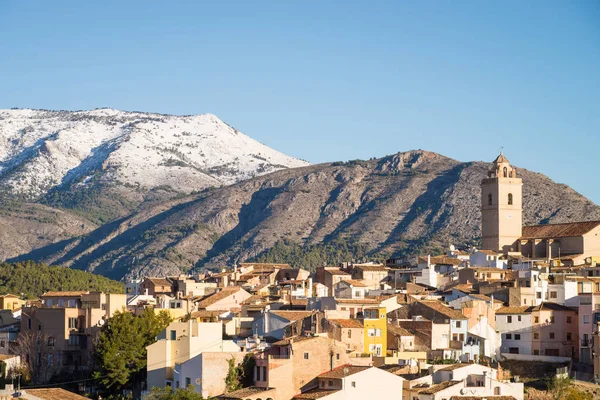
point(375, 331)
point(10, 302)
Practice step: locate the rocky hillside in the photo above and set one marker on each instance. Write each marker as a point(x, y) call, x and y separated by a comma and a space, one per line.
point(410, 202)
point(63, 174)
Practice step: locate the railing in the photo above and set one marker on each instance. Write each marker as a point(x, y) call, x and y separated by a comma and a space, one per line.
point(456, 344)
point(279, 356)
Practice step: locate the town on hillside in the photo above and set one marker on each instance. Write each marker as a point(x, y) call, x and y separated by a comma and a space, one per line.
point(515, 319)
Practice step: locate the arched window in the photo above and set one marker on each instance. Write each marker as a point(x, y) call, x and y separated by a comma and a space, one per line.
point(505, 172)
point(489, 199)
point(510, 199)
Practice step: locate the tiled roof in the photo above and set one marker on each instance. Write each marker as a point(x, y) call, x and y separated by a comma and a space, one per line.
point(500, 159)
point(357, 301)
point(354, 282)
point(487, 269)
point(314, 394)
point(558, 230)
point(515, 310)
point(336, 272)
point(207, 314)
point(484, 297)
point(371, 267)
point(294, 339)
point(292, 315)
point(398, 330)
point(213, 298)
point(439, 387)
point(271, 266)
point(464, 287)
point(54, 394)
point(482, 398)
point(442, 309)
point(552, 306)
point(444, 260)
point(453, 367)
point(489, 252)
point(343, 371)
point(246, 392)
point(63, 294)
point(347, 323)
point(159, 281)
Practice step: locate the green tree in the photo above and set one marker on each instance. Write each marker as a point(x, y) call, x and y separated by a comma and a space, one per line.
point(233, 380)
point(121, 347)
point(168, 393)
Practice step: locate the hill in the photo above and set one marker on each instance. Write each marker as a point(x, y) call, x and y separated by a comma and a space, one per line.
point(402, 204)
point(34, 279)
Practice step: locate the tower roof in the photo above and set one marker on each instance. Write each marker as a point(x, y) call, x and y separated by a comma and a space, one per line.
point(500, 159)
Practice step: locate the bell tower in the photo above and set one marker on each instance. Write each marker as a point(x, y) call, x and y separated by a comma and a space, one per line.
point(501, 207)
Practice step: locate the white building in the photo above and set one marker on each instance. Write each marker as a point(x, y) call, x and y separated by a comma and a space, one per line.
point(515, 327)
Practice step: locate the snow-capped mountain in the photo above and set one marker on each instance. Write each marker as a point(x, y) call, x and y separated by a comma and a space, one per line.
point(41, 150)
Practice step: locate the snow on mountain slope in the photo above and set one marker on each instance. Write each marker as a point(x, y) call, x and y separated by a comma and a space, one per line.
point(40, 150)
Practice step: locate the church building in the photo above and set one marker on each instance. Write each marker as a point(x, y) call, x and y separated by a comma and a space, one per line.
point(502, 223)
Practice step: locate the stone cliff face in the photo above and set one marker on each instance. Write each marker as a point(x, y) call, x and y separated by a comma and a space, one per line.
point(392, 205)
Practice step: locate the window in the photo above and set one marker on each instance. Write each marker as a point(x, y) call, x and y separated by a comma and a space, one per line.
point(322, 383)
point(458, 324)
point(29, 323)
point(519, 318)
point(536, 335)
point(517, 336)
point(509, 336)
point(188, 381)
point(536, 320)
point(538, 295)
point(2, 344)
point(489, 199)
point(568, 320)
point(553, 295)
point(569, 336)
point(353, 384)
point(586, 319)
point(73, 339)
point(536, 352)
point(552, 319)
point(72, 323)
point(50, 342)
point(61, 303)
point(509, 319)
point(349, 333)
point(258, 373)
point(505, 171)
point(71, 303)
point(49, 303)
point(461, 337)
point(306, 356)
point(510, 199)
point(173, 335)
point(551, 335)
point(337, 356)
point(330, 383)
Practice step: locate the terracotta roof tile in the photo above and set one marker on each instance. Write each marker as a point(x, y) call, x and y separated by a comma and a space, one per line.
point(247, 392)
point(343, 371)
point(213, 298)
point(54, 394)
point(438, 388)
point(558, 230)
point(314, 394)
point(63, 294)
point(354, 282)
point(444, 260)
point(159, 281)
point(371, 267)
point(347, 323)
point(515, 310)
point(442, 309)
point(292, 315)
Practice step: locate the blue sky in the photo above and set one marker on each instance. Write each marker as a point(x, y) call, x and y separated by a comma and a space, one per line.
point(331, 80)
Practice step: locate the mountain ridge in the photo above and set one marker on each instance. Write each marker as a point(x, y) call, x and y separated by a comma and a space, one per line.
point(402, 204)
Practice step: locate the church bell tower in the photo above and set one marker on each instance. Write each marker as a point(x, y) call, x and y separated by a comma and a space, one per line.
point(501, 207)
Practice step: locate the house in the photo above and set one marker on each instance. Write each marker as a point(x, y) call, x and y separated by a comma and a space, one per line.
point(291, 366)
point(481, 274)
point(10, 302)
point(278, 323)
point(555, 331)
point(371, 274)
point(179, 342)
point(347, 331)
point(515, 325)
point(205, 372)
point(349, 382)
point(70, 322)
point(488, 258)
point(156, 286)
point(351, 289)
point(227, 298)
point(329, 276)
point(374, 321)
point(399, 339)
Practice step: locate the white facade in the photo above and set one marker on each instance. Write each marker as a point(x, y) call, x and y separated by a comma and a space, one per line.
point(516, 332)
point(481, 259)
point(370, 383)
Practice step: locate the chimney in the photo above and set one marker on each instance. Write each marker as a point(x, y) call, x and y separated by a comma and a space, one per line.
point(428, 260)
point(310, 287)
